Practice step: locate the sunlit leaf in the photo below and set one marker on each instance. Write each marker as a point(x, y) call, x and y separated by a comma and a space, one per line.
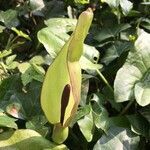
point(132, 80)
point(6, 121)
point(119, 138)
point(24, 139)
point(86, 126)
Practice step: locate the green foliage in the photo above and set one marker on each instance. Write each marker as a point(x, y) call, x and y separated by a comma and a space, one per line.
point(132, 80)
point(114, 109)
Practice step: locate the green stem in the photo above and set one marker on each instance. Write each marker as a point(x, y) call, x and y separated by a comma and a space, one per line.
point(126, 108)
point(9, 44)
point(105, 81)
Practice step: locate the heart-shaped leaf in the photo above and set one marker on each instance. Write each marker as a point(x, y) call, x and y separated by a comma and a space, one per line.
point(133, 79)
point(119, 138)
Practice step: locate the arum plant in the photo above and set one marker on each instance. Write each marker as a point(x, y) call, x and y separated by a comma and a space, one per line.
point(61, 89)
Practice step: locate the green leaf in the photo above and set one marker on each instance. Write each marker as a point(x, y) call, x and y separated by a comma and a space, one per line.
point(20, 33)
point(9, 18)
point(145, 112)
point(13, 94)
point(10, 59)
point(86, 126)
point(38, 60)
point(100, 114)
point(107, 33)
point(82, 1)
point(126, 6)
point(142, 90)
point(113, 4)
point(115, 51)
point(33, 73)
point(119, 138)
point(5, 53)
point(82, 111)
point(24, 66)
point(132, 80)
point(119, 121)
point(37, 123)
point(24, 139)
point(37, 5)
point(139, 125)
point(6, 121)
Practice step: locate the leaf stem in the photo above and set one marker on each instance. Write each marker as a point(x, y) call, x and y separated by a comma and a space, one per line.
point(126, 108)
point(104, 80)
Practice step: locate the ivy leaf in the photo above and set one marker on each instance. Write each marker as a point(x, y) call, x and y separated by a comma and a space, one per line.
point(145, 112)
point(133, 79)
point(86, 126)
point(119, 138)
point(37, 123)
point(107, 33)
point(126, 6)
point(6, 121)
point(139, 125)
point(9, 18)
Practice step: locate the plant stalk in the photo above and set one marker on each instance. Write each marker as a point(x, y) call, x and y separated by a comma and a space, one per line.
point(126, 108)
point(105, 81)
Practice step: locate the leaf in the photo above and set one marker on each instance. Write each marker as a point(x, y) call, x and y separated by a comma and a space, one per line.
point(86, 126)
point(100, 114)
point(10, 59)
point(132, 80)
point(113, 4)
point(119, 121)
point(9, 18)
point(23, 67)
point(32, 73)
point(145, 112)
point(106, 33)
point(6, 121)
point(36, 4)
point(82, 1)
point(139, 125)
point(38, 60)
point(119, 138)
point(12, 92)
point(88, 65)
point(5, 53)
point(20, 33)
point(115, 51)
point(24, 139)
point(37, 123)
point(126, 6)
point(83, 111)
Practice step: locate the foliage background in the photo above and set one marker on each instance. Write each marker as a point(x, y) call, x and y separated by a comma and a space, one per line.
point(115, 68)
